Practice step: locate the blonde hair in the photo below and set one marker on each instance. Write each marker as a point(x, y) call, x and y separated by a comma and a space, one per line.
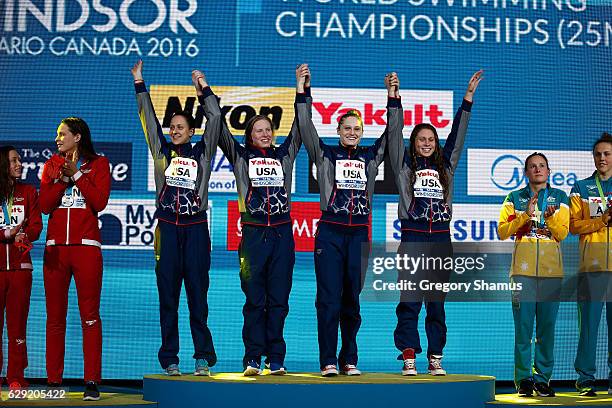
point(352, 113)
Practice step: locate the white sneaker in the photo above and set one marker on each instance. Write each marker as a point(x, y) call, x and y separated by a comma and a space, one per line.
point(409, 367)
point(172, 370)
point(435, 365)
point(329, 370)
point(350, 369)
point(252, 368)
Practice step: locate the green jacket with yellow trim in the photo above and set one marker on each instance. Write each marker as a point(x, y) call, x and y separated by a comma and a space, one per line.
point(536, 245)
point(586, 210)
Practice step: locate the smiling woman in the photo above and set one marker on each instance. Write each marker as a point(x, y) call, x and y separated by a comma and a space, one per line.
point(182, 240)
point(346, 174)
point(75, 187)
point(263, 175)
point(20, 225)
point(424, 177)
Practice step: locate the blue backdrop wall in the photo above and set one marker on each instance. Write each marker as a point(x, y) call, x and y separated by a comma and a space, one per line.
point(547, 87)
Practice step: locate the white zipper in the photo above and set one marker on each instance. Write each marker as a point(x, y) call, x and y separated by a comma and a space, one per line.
point(68, 227)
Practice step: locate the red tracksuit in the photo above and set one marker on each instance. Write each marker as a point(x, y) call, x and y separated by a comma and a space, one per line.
point(16, 279)
point(74, 248)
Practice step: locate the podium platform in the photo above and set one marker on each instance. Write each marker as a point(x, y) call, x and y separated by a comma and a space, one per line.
point(75, 399)
point(308, 390)
point(561, 400)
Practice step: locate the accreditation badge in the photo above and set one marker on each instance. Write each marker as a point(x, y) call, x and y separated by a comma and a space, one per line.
point(73, 198)
point(596, 207)
point(17, 216)
point(427, 185)
point(182, 172)
point(266, 172)
point(350, 175)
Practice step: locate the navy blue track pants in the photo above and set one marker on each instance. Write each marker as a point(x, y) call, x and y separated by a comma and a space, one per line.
point(267, 257)
point(406, 333)
point(184, 254)
point(338, 267)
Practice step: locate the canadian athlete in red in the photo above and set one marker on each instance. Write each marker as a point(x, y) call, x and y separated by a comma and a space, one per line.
point(75, 187)
point(20, 225)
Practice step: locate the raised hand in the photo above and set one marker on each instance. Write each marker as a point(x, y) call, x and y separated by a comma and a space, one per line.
point(199, 81)
point(533, 201)
point(137, 71)
point(302, 74)
point(392, 84)
point(70, 165)
point(13, 231)
point(472, 85)
point(550, 210)
point(308, 77)
point(20, 237)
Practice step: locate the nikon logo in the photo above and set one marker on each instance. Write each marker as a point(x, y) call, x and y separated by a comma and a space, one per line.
point(237, 116)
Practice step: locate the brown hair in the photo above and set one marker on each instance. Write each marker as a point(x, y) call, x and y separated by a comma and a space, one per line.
point(352, 113)
point(605, 138)
point(85, 145)
point(6, 181)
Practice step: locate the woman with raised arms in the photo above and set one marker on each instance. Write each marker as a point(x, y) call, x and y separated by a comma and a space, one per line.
point(424, 176)
point(182, 240)
point(263, 174)
point(346, 174)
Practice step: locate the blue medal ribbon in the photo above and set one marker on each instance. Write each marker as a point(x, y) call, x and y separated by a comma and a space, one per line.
point(7, 207)
point(544, 201)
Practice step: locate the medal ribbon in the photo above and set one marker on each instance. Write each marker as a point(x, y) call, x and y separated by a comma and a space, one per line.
point(7, 208)
point(600, 190)
point(544, 200)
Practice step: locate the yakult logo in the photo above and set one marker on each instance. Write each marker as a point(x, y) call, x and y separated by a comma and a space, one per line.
point(353, 164)
point(428, 173)
point(184, 162)
point(435, 107)
point(264, 162)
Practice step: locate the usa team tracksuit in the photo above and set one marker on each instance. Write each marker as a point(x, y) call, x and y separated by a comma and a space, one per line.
point(425, 217)
point(267, 248)
point(73, 248)
point(594, 274)
point(16, 277)
point(538, 266)
point(182, 242)
point(342, 242)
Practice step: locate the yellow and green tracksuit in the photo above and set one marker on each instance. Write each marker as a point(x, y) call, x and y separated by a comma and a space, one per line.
point(537, 265)
point(587, 205)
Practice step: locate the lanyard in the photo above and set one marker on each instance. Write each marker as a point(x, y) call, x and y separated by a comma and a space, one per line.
point(7, 208)
point(600, 190)
point(544, 200)
point(69, 188)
